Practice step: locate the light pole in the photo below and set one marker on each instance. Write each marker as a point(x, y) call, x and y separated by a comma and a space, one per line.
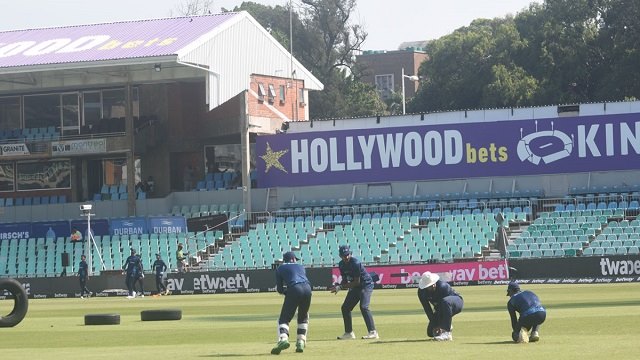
point(86, 211)
point(412, 78)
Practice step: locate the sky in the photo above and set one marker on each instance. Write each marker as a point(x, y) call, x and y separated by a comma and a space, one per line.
point(387, 22)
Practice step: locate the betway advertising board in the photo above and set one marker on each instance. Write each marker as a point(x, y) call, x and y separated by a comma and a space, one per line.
point(463, 273)
point(446, 151)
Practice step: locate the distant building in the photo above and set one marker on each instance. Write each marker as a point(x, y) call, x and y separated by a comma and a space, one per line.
point(384, 70)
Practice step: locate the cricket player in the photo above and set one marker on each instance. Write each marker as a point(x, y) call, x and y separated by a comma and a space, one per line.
point(132, 267)
point(159, 267)
point(532, 313)
point(358, 281)
point(291, 280)
point(83, 273)
point(446, 303)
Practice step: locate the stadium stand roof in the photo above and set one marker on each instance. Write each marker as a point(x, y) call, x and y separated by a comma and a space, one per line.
point(225, 48)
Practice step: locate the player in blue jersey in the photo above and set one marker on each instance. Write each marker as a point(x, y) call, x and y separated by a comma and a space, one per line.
point(140, 279)
point(291, 280)
point(446, 303)
point(132, 268)
point(159, 267)
point(83, 273)
point(358, 281)
point(532, 314)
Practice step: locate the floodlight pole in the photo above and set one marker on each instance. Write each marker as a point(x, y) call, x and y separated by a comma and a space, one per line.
point(87, 249)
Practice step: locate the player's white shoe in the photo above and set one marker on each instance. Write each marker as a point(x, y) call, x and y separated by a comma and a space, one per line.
point(444, 336)
point(535, 336)
point(523, 336)
point(373, 334)
point(347, 336)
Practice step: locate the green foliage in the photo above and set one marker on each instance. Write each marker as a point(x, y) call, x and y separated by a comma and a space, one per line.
point(557, 52)
point(324, 41)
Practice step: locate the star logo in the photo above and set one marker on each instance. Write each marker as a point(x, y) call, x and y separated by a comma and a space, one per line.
point(272, 159)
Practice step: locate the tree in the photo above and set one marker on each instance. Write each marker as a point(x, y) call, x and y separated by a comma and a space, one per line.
point(193, 7)
point(324, 42)
point(552, 53)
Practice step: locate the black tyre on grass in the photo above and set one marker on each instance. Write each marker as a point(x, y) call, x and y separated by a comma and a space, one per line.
point(20, 302)
point(102, 319)
point(161, 314)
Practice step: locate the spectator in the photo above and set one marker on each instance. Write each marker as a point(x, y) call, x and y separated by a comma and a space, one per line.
point(76, 235)
point(359, 283)
point(151, 185)
point(187, 178)
point(181, 259)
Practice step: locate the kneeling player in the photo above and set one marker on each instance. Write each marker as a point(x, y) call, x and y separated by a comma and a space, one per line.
point(532, 314)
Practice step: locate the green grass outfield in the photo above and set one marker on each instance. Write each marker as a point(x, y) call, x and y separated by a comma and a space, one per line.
point(584, 321)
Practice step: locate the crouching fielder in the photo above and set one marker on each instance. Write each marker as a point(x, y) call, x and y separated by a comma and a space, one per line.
point(297, 295)
point(446, 303)
point(532, 314)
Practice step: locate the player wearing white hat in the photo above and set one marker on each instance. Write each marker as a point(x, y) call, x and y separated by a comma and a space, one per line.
point(446, 303)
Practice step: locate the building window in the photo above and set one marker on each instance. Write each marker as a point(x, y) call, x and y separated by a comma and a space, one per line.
point(92, 101)
point(283, 92)
point(261, 91)
point(10, 113)
point(301, 99)
point(41, 111)
point(70, 114)
point(272, 93)
point(384, 85)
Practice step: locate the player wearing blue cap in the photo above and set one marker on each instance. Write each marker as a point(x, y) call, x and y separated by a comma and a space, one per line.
point(291, 280)
point(358, 281)
point(446, 303)
point(532, 314)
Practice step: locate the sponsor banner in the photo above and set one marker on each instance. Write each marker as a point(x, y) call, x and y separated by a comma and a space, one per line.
point(577, 267)
point(238, 281)
point(451, 272)
point(99, 227)
point(14, 150)
point(445, 151)
point(50, 229)
point(15, 231)
point(78, 147)
point(112, 283)
point(167, 225)
point(129, 226)
point(210, 222)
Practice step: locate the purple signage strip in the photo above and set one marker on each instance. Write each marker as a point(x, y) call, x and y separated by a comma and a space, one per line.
point(130, 39)
point(430, 152)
